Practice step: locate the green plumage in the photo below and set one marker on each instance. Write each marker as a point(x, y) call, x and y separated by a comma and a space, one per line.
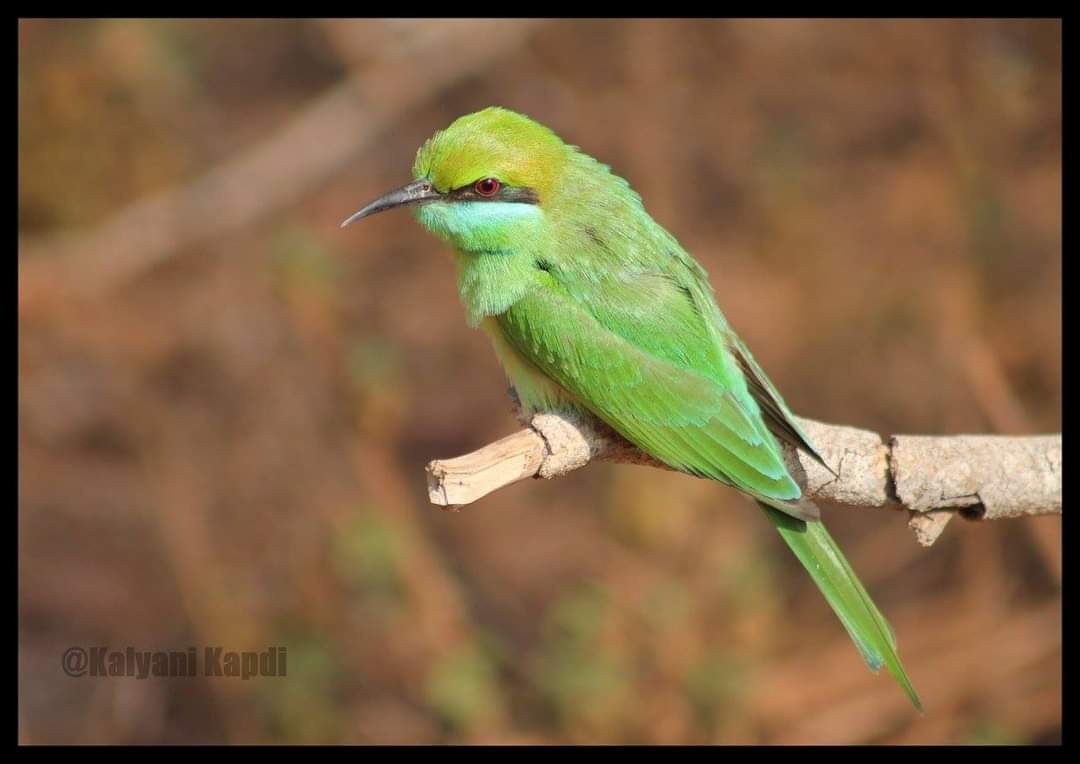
point(592, 305)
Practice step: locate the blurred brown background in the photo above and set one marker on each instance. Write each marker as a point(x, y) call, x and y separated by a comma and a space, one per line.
point(226, 403)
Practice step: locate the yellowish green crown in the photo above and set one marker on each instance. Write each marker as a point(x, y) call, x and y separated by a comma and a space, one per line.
point(492, 143)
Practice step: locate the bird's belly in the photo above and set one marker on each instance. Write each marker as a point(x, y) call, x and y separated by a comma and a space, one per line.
point(535, 390)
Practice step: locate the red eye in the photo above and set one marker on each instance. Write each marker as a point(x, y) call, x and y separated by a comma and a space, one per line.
point(486, 187)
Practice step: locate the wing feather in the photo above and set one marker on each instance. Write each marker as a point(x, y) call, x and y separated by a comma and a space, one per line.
point(778, 418)
point(686, 419)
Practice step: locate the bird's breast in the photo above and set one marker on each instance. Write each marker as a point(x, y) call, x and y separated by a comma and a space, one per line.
point(535, 390)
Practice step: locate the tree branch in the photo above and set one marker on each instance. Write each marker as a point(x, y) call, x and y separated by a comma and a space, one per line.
point(979, 476)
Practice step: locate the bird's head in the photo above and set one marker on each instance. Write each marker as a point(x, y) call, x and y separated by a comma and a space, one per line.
point(483, 180)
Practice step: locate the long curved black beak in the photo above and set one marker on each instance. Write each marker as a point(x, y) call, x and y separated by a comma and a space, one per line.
point(417, 192)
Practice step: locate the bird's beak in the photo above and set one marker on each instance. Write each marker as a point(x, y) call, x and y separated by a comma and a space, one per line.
point(417, 192)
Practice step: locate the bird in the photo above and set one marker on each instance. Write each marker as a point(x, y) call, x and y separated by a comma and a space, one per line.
point(594, 309)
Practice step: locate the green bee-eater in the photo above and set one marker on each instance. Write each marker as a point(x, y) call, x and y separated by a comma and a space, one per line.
point(592, 306)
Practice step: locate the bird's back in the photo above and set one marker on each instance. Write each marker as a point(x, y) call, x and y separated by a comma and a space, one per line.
point(624, 319)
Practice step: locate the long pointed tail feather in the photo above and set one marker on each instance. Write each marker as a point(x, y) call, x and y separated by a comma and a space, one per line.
point(832, 573)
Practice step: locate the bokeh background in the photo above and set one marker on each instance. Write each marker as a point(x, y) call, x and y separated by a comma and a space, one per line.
point(226, 403)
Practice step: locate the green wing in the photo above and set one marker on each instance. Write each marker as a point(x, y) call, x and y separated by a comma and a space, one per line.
point(665, 379)
point(778, 417)
point(689, 419)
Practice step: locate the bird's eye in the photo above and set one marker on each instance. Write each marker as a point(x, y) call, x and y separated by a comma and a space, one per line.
point(486, 187)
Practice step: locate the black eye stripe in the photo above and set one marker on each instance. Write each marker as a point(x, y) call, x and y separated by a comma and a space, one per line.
point(520, 194)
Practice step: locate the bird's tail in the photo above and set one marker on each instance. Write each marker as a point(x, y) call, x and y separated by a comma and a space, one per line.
point(833, 575)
